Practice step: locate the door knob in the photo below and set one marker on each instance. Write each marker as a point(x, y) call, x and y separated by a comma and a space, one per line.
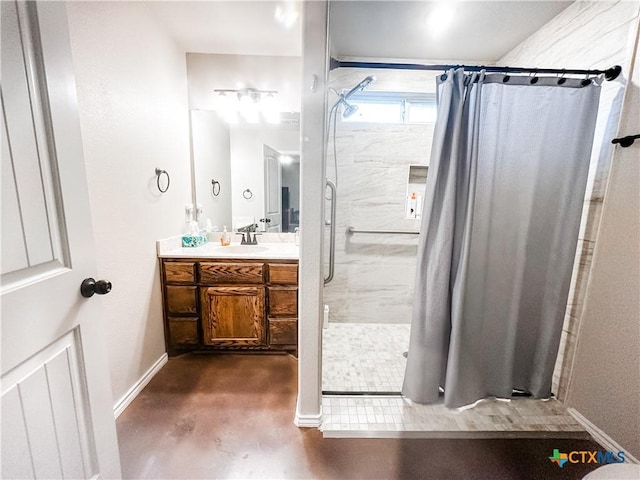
point(89, 286)
point(265, 220)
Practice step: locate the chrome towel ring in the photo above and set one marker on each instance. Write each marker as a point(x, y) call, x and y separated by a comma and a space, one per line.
point(248, 194)
point(215, 187)
point(159, 173)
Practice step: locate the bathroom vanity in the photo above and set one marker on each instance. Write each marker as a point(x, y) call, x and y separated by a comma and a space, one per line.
point(235, 298)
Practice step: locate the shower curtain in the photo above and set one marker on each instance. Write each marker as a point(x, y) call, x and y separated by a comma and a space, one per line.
point(501, 215)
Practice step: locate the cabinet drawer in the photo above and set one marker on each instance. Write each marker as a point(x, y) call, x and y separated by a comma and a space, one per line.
point(179, 272)
point(211, 272)
point(183, 331)
point(283, 332)
point(181, 300)
point(285, 274)
point(283, 301)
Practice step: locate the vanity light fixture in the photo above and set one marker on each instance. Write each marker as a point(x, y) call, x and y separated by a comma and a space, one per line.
point(249, 103)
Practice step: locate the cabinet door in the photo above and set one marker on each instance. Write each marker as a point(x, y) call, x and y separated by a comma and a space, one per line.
point(233, 316)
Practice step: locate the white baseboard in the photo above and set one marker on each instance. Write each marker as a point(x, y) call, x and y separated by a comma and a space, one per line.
point(308, 421)
point(601, 437)
point(133, 392)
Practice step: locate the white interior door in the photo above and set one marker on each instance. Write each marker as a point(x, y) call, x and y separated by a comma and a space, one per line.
point(57, 407)
point(272, 190)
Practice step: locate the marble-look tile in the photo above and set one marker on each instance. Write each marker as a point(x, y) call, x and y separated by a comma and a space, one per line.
point(386, 80)
point(525, 416)
point(364, 357)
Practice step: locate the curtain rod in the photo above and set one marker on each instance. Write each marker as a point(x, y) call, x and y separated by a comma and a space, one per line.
point(610, 73)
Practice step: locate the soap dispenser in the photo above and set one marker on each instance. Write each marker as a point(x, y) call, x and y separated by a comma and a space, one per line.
point(225, 238)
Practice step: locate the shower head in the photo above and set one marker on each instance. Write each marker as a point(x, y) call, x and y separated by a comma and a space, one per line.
point(360, 86)
point(348, 108)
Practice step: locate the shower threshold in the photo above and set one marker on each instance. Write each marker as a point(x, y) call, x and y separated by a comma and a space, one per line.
point(361, 393)
point(372, 393)
point(394, 416)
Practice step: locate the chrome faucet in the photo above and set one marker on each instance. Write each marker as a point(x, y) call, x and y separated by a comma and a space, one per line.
point(248, 229)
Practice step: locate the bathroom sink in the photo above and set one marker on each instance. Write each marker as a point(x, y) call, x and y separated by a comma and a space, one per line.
point(242, 249)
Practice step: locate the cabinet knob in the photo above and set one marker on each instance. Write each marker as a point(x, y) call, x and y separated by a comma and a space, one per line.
point(90, 286)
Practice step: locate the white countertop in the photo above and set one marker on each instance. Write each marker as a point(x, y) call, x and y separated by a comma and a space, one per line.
point(263, 251)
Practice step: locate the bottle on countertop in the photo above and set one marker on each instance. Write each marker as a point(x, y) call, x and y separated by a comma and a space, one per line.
point(225, 238)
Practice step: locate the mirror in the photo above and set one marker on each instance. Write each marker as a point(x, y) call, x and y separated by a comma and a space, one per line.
point(245, 170)
point(282, 187)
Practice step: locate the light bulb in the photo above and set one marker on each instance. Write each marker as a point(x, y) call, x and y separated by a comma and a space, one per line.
point(270, 110)
point(227, 108)
point(248, 107)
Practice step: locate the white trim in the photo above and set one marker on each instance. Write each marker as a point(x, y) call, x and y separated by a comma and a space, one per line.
point(308, 421)
point(601, 437)
point(133, 392)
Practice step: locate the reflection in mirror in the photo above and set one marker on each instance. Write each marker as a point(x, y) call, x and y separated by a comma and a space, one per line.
point(291, 193)
point(281, 186)
point(236, 157)
point(231, 148)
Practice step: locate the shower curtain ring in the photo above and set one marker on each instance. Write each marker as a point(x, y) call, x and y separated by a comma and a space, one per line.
point(534, 79)
point(561, 78)
point(586, 81)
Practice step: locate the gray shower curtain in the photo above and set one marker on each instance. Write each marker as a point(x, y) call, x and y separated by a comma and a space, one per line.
point(501, 215)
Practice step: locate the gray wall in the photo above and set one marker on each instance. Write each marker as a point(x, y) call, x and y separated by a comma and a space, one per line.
point(134, 115)
point(605, 385)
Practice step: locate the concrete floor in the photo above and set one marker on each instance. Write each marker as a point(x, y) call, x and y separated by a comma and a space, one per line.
point(230, 416)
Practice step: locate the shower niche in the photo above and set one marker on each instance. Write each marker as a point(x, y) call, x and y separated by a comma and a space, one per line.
point(416, 185)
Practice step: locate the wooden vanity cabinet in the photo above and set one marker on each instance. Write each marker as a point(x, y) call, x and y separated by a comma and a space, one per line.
point(230, 304)
point(233, 316)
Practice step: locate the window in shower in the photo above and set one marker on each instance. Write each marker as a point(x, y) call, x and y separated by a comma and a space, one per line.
point(393, 108)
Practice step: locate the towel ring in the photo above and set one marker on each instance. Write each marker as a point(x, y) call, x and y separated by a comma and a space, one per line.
point(159, 173)
point(248, 194)
point(215, 187)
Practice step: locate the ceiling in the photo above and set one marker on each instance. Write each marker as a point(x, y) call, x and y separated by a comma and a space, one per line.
point(481, 30)
point(235, 27)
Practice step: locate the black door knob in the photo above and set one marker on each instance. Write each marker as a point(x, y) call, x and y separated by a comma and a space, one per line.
point(89, 286)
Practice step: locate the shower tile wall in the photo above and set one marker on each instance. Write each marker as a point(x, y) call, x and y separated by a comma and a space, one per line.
point(585, 35)
point(374, 273)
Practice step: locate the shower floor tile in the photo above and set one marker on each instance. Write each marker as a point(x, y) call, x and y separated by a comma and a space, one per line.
point(364, 357)
point(400, 417)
